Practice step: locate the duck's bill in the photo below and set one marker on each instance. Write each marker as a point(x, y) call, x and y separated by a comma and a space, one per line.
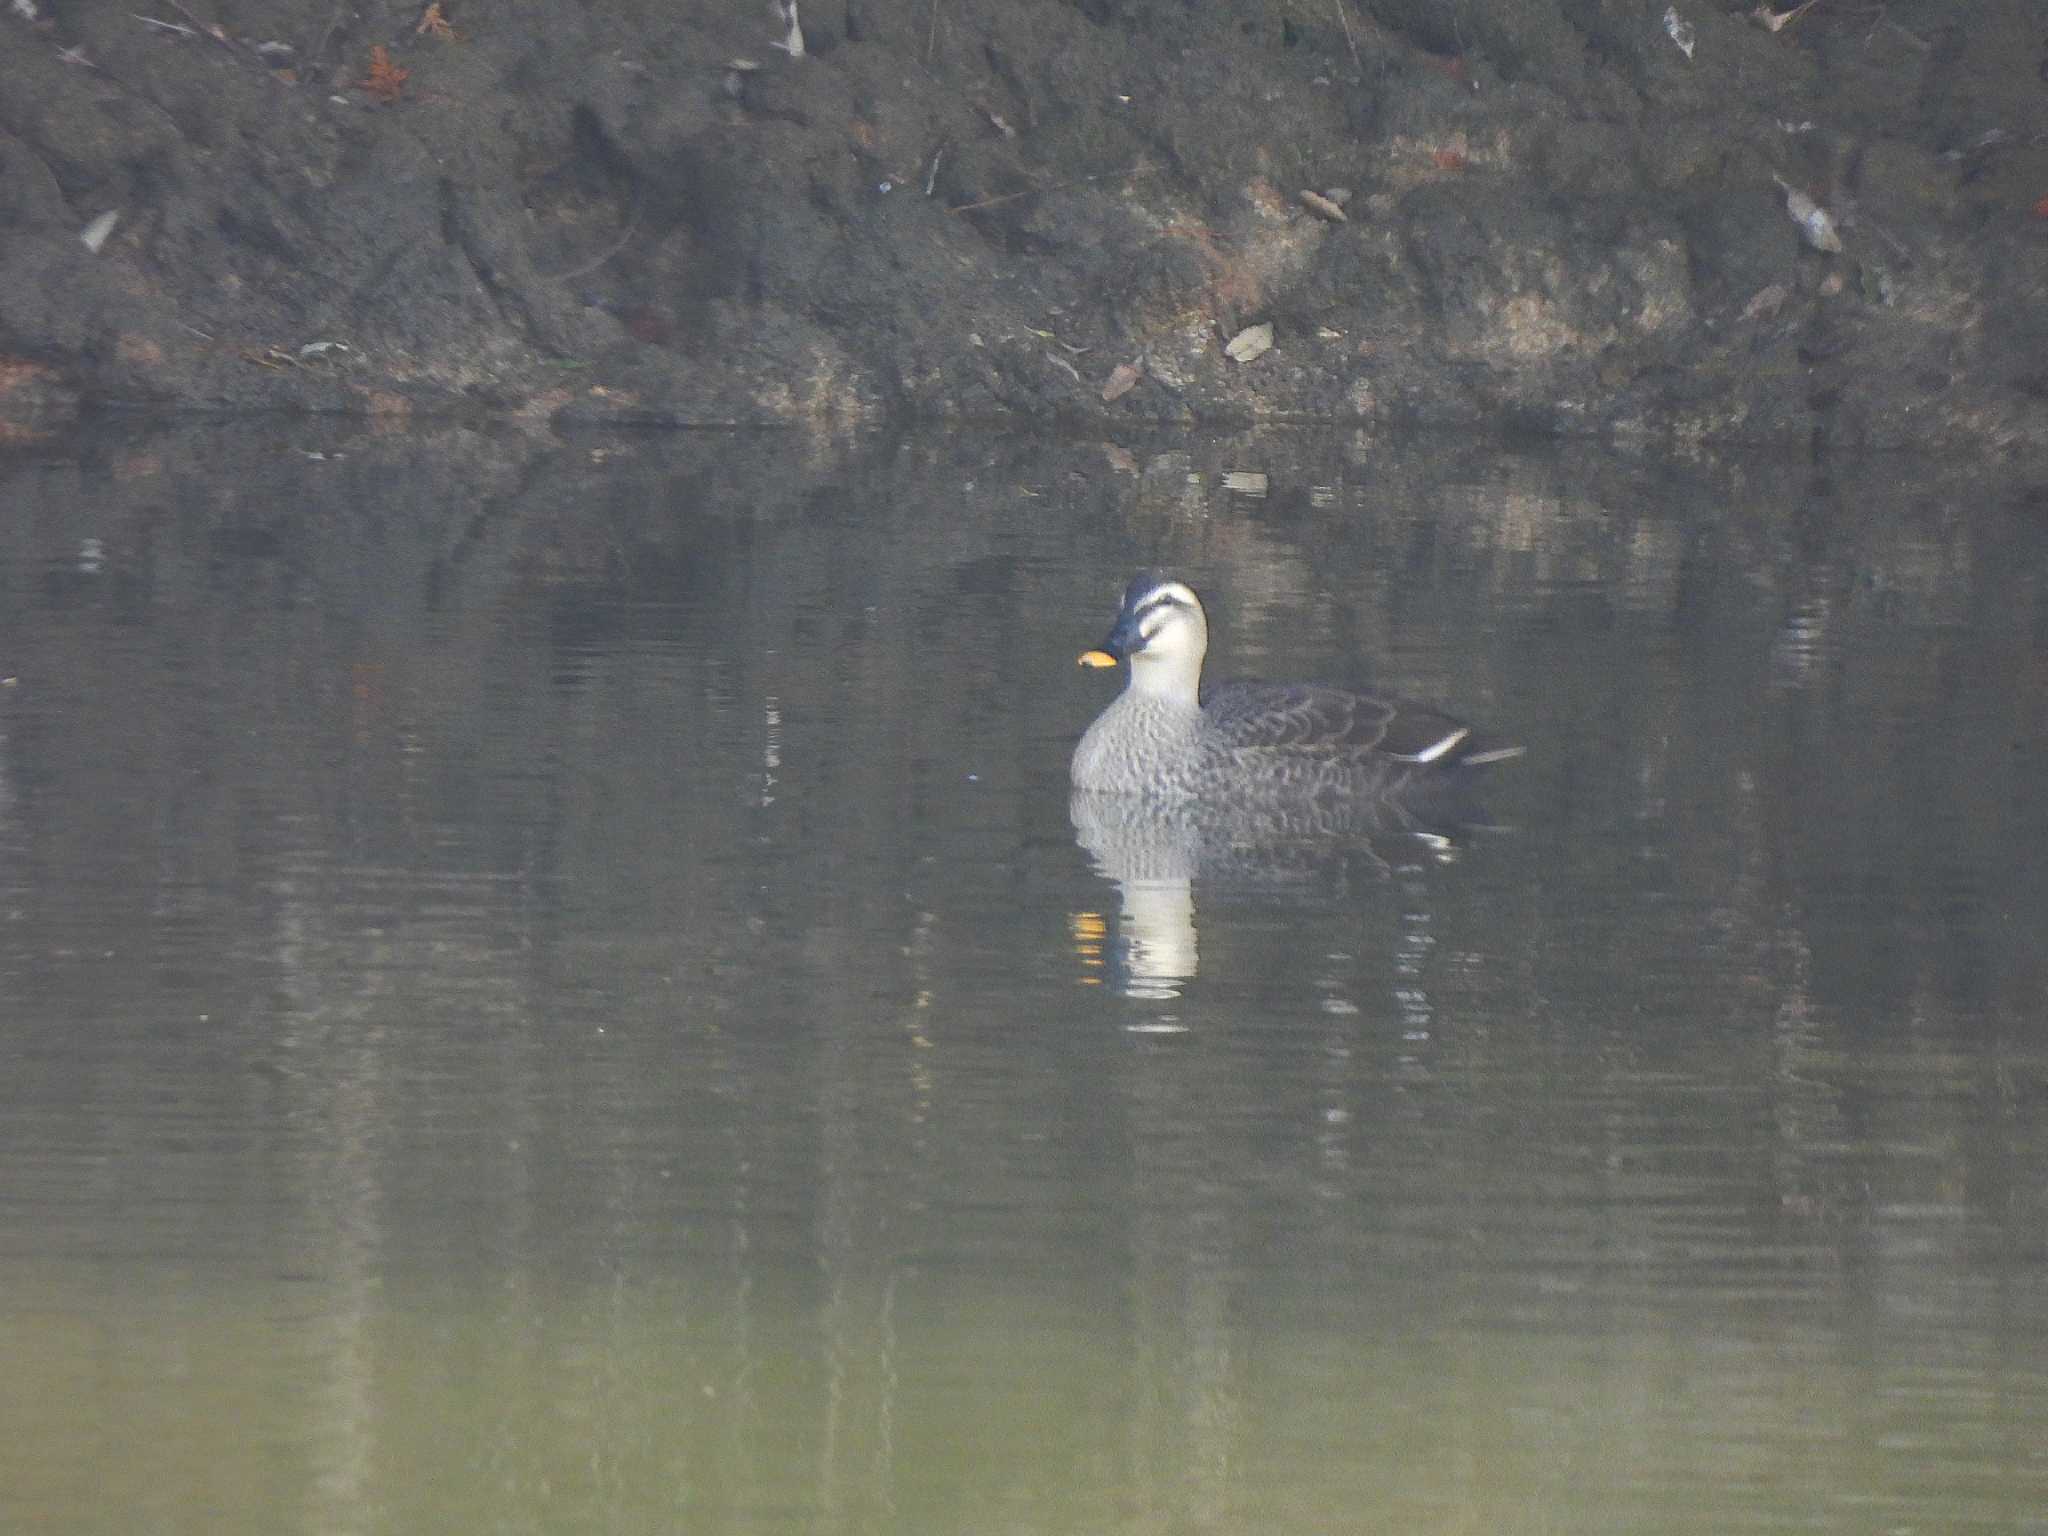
point(1096, 659)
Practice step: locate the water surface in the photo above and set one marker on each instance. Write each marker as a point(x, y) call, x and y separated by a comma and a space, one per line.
point(552, 987)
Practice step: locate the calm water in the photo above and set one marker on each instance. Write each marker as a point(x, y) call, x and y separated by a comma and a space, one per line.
point(553, 987)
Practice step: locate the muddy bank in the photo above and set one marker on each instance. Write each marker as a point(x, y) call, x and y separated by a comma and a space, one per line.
point(1546, 215)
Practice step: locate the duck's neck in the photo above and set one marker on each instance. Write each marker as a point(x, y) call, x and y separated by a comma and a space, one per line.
point(1174, 683)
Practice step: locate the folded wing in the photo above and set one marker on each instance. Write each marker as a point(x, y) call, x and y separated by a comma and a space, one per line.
point(1336, 724)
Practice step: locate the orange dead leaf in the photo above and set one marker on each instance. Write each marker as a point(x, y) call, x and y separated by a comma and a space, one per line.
point(385, 79)
point(433, 24)
point(1448, 159)
point(2041, 209)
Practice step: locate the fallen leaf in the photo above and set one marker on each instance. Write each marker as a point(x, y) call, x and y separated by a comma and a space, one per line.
point(1777, 21)
point(95, 234)
point(1253, 341)
point(1815, 226)
point(1679, 30)
point(1765, 302)
point(385, 79)
point(1322, 206)
point(1122, 379)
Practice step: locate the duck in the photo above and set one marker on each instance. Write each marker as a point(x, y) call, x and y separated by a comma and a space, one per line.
point(1251, 744)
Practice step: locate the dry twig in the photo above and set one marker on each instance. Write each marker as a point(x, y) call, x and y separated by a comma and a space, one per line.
point(219, 34)
point(1137, 169)
point(1351, 42)
point(605, 255)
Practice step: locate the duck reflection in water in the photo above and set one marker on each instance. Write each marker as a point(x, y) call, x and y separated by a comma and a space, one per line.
point(1255, 785)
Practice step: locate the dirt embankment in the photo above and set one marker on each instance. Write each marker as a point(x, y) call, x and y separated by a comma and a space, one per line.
point(1561, 215)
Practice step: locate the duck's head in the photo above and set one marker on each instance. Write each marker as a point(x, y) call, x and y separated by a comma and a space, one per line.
point(1161, 633)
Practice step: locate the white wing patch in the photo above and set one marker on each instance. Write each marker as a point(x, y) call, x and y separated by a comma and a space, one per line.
point(1436, 750)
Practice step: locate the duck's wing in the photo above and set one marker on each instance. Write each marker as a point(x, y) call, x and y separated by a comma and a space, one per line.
point(1337, 722)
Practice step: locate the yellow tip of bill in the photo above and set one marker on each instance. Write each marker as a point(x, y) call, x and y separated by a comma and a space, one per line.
point(1096, 659)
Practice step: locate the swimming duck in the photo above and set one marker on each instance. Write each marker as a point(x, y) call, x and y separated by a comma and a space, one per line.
point(1249, 743)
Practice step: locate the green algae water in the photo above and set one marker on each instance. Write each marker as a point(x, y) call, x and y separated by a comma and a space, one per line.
point(553, 987)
